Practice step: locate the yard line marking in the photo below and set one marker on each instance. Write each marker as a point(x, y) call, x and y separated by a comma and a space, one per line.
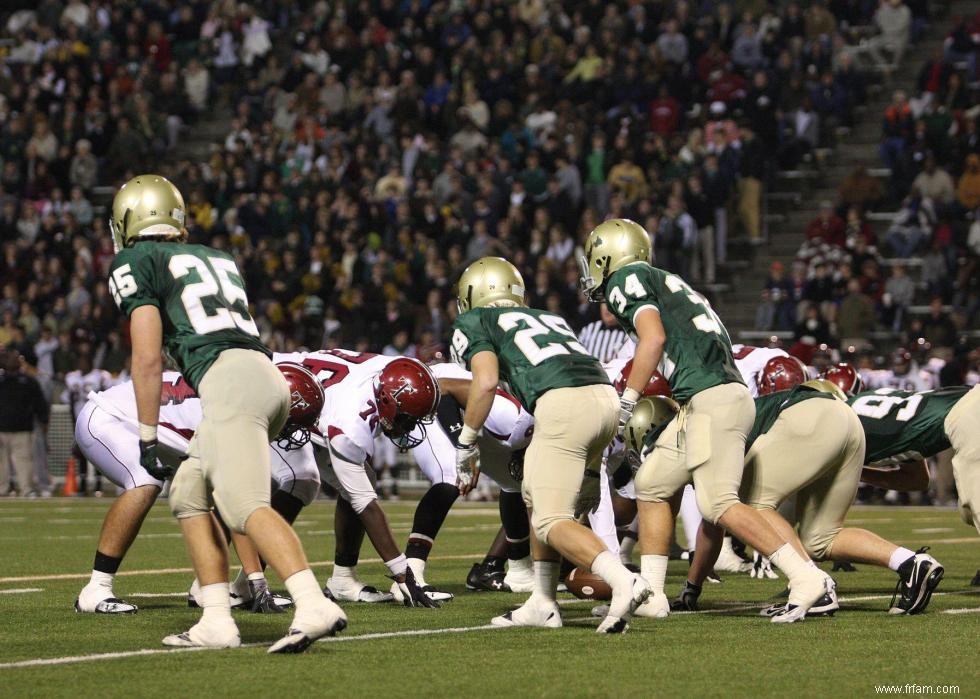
point(154, 595)
point(21, 590)
point(960, 540)
point(67, 660)
point(168, 571)
point(933, 530)
point(962, 610)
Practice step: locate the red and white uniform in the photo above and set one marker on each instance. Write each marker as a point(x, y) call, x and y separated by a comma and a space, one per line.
point(915, 380)
point(106, 431)
point(750, 361)
point(78, 386)
point(349, 422)
point(508, 429)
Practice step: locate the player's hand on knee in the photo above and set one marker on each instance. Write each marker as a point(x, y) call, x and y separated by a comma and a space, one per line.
point(151, 462)
point(762, 568)
point(626, 406)
point(412, 593)
point(467, 467)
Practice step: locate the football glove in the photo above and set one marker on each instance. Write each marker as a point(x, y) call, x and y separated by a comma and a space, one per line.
point(411, 592)
point(467, 467)
point(762, 568)
point(151, 462)
point(589, 494)
point(625, 413)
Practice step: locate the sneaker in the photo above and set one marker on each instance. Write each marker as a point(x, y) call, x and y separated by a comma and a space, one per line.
point(625, 602)
point(531, 613)
point(803, 596)
point(486, 578)
point(687, 600)
point(520, 575)
point(309, 625)
point(353, 590)
point(210, 634)
point(921, 575)
point(729, 561)
point(825, 606)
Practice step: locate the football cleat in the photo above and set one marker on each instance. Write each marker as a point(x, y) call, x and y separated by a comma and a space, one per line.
point(976, 580)
point(347, 590)
point(806, 595)
point(531, 613)
point(843, 567)
point(520, 575)
point(210, 634)
point(687, 600)
point(265, 603)
point(921, 575)
point(625, 603)
point(826, 606)
point(729, 561)
point(600, 611)
point(109, 605)
point(486, 578)
point(437, 595)
point(309, 625)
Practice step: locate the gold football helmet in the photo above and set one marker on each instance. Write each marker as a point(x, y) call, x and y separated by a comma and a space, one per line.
point(611, 245)
point(825, 386)
point(648, 414)
point(147, 207)
point(489, 281)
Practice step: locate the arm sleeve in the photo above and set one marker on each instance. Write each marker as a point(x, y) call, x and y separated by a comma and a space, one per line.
point(352, 477)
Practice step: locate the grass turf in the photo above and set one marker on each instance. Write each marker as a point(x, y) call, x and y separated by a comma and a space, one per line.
point(726, 651)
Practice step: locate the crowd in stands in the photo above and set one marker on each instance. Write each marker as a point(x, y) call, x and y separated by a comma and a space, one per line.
point(849, 283)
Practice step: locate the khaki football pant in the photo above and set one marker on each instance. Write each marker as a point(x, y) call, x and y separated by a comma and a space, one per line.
point(705, 444)
point(572, 427)
point(963, 429)
point(245, 403)
point(815, 450)
point(17, 448)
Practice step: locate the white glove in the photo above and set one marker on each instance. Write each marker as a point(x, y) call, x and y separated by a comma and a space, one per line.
point(625, 412)
point(467, 467)
point(762, 568)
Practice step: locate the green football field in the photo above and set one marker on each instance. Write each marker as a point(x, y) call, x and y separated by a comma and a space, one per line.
point(46, 649)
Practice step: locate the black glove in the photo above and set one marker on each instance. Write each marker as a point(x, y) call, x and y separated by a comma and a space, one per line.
point(412, 595)
point(590, 493)
point(151, 462)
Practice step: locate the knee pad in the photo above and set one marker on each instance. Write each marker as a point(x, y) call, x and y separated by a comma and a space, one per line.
point(188, 496)
point(359, 501)
point(819, 545)
point(305, 491)
point(712, 509)
point(542, 522)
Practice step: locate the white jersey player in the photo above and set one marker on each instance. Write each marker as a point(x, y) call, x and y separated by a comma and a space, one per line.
point(750, 361)
point(904, 375)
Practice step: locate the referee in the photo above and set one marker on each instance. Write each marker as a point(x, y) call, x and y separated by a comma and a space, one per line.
point(603, 338)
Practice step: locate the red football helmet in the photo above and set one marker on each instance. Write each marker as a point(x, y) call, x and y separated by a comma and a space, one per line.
point(781, 374)
point(656, 386)
point(845, 377)
point(407, 394)
point(305, 405)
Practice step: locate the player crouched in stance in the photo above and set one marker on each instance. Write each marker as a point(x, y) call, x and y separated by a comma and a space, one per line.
point(497, 337)
point(107, 434)
point(191, 300)
point(679, 333)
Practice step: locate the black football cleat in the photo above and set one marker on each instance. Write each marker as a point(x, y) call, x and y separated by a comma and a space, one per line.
point(976, 580)
point(486, 578)
point(920, 576)
point(843, 567)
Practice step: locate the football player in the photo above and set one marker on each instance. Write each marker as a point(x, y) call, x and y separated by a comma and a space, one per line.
point(904, 374)
point(497, 337)
point(78, 384)
point(368, 395)
point(104, 431)
point(191, 300)
point(679, 333)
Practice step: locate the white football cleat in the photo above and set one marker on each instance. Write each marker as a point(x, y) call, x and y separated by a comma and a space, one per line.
point(625, 602)
point(520, 575)
point(531, 613)
point(353, 590)
point(207, 634)
point(804, 595)
point(657, 606)
point(308, 625)
point(729, 561)
point(97, 599)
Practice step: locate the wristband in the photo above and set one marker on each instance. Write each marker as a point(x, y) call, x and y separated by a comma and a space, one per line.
point(148, 433)
point(467, 436)
point(631, 395)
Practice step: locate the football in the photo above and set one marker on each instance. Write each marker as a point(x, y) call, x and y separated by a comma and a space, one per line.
point(585, 584)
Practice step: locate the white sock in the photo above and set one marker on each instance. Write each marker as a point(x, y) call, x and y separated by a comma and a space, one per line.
point(653, 568)
point(545, 581)
point(898, 557)
point(101, 579)
point(252, 577)
point(790, 562)
point(608, 567)
point(344, 573)
point(520, 565)
point(215, 602)
point(418, 568)
point(397, 565)
point(303, 588)
point(626, 549)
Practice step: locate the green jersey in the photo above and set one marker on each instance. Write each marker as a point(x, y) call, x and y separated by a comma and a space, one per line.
point(536, 350)
point(902, 425)
point(768, 408)
point(698, 352)
point(201, 297)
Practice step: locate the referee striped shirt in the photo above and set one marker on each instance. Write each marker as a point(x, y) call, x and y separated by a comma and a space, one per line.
point(601, 341)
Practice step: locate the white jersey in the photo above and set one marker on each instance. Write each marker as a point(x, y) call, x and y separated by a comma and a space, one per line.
point(915, 380)
point(78, 386)
point(349, 422)
point(750, 361)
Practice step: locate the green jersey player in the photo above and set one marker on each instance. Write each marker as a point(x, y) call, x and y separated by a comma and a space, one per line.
point(191, 300)
point(677, 331)
point(497, 337)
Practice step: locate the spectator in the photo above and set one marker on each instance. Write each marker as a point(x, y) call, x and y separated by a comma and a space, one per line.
point(968, 188)
point(937, 327)
point(827, 226)
point(912, 225)
point(893, 20)
point(934, 183)
point(856, 318)
point(84, 167)
point(780, 295)
point(896, 130)
point(22, 406)
point(899, 294)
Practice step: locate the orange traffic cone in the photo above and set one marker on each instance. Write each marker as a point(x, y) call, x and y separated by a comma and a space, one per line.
point(71, 477)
